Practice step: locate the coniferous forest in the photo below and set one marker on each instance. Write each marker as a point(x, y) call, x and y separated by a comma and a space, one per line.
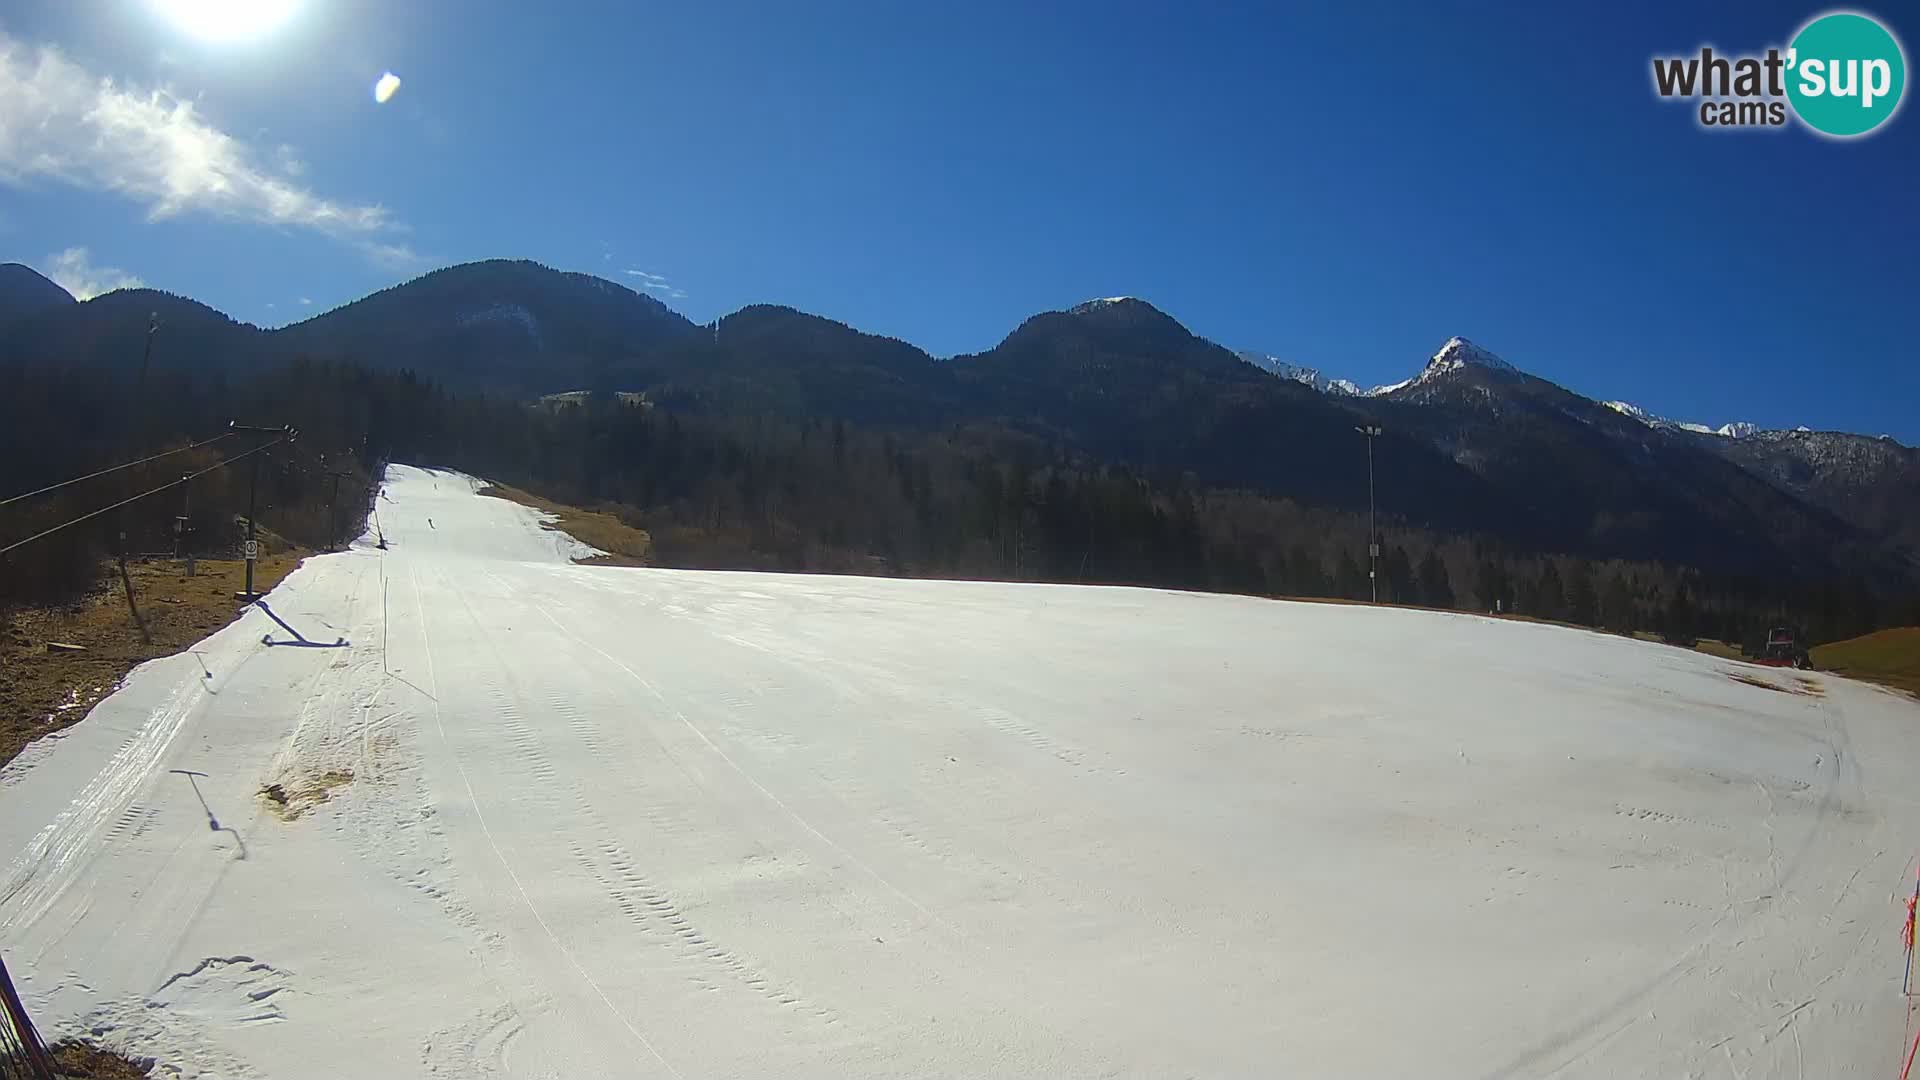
point(785, 493)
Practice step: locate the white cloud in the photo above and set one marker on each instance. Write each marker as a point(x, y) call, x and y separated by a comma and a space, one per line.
point(656, 283)
point(65, 123)
point(306, 302)
point(289, 160)
point(73, 270)
point(396, 257)
point(385, 87)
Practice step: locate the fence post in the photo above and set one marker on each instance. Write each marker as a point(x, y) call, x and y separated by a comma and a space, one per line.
point(21, 1055)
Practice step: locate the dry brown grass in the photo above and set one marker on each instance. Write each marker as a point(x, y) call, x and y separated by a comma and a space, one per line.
point(289, 803)
point(43, 690)
point(1718, 648)
point(1804, 685)
point(1888, 657)
point(625, 545)
point(84, 1060)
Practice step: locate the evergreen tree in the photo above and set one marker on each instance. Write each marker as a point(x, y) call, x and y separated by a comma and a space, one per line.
point(1491, 586)
point(1679, 628)
point(1616, 605)
point(1304, 574)
point(1396, 573)
point(1549, 594)
point(1436, 589)
point(1583, 604)
point(1349, 581)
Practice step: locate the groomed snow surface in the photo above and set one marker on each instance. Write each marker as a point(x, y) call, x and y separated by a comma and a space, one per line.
point(609, 822)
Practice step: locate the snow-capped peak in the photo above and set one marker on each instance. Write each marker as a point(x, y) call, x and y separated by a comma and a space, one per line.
point(1457, 353)
point(1739, 429)
point(1305, 376)
point(1104, 301)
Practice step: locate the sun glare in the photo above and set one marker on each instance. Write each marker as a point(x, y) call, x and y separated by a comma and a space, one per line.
point(227, 20)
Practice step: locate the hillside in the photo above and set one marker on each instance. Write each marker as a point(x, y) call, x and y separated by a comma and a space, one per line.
point(1473, 445)
point(1890, 657)
point(23, 292)
point(646, 822)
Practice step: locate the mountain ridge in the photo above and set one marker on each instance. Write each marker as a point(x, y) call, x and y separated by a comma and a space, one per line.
point(1471, 438)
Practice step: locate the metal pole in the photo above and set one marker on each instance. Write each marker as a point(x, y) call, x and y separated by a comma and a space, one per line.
point(1373, 534)
point(333, 524)
point(140, 386)
point(253, 494)
point(146, 355)
point(186, 520)
point(253, 542)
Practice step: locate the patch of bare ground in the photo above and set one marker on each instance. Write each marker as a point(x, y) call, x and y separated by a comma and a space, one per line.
point(604, 528)
point(57, 663)
point(288, 803)
point(84, 1061)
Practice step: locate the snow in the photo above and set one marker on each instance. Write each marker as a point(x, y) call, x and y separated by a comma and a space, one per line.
point(628, 822)
point(1739, 429)
point(1099, 303)
point(1305, 376)
point(1455, 354)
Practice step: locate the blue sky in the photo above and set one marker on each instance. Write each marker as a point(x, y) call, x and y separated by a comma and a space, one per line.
point(1343, 186)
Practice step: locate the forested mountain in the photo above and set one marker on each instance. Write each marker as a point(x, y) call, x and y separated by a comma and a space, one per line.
point(510, 327)
point(1106, 405)
point(499, 325)
point(24, 292)
point(1619, 486)
point(1873, 482)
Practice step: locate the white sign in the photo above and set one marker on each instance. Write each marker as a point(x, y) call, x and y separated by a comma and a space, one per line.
point(253, 549)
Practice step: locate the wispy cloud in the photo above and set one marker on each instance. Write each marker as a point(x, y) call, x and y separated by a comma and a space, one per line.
point(306, 301)
point(289, 160)
point(393, 256)
point(73, 270)
point(65, 123)
point(655, 283)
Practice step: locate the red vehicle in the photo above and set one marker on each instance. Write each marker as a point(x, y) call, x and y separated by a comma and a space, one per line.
point(1783, 649)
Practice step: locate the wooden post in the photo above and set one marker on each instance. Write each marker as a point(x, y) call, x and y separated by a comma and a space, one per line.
point(39, 1065)
point(127, 584)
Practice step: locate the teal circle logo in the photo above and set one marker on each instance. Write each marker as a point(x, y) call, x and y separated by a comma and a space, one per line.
point(1845, 74)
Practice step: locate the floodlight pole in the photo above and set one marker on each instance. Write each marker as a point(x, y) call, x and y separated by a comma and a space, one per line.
point(253, 493)
point(1371, 431)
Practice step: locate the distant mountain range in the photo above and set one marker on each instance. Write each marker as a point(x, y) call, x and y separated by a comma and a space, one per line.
point(1473, 444)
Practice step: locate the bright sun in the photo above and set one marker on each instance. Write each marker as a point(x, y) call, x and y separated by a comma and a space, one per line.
point(227, 20)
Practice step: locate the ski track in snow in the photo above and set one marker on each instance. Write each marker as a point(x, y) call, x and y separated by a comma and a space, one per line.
point(621, 822)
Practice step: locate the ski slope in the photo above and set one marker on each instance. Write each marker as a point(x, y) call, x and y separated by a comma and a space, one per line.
point(609, 822)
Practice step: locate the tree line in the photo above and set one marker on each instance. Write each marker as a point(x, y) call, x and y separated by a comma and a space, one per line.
point(777, 492)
